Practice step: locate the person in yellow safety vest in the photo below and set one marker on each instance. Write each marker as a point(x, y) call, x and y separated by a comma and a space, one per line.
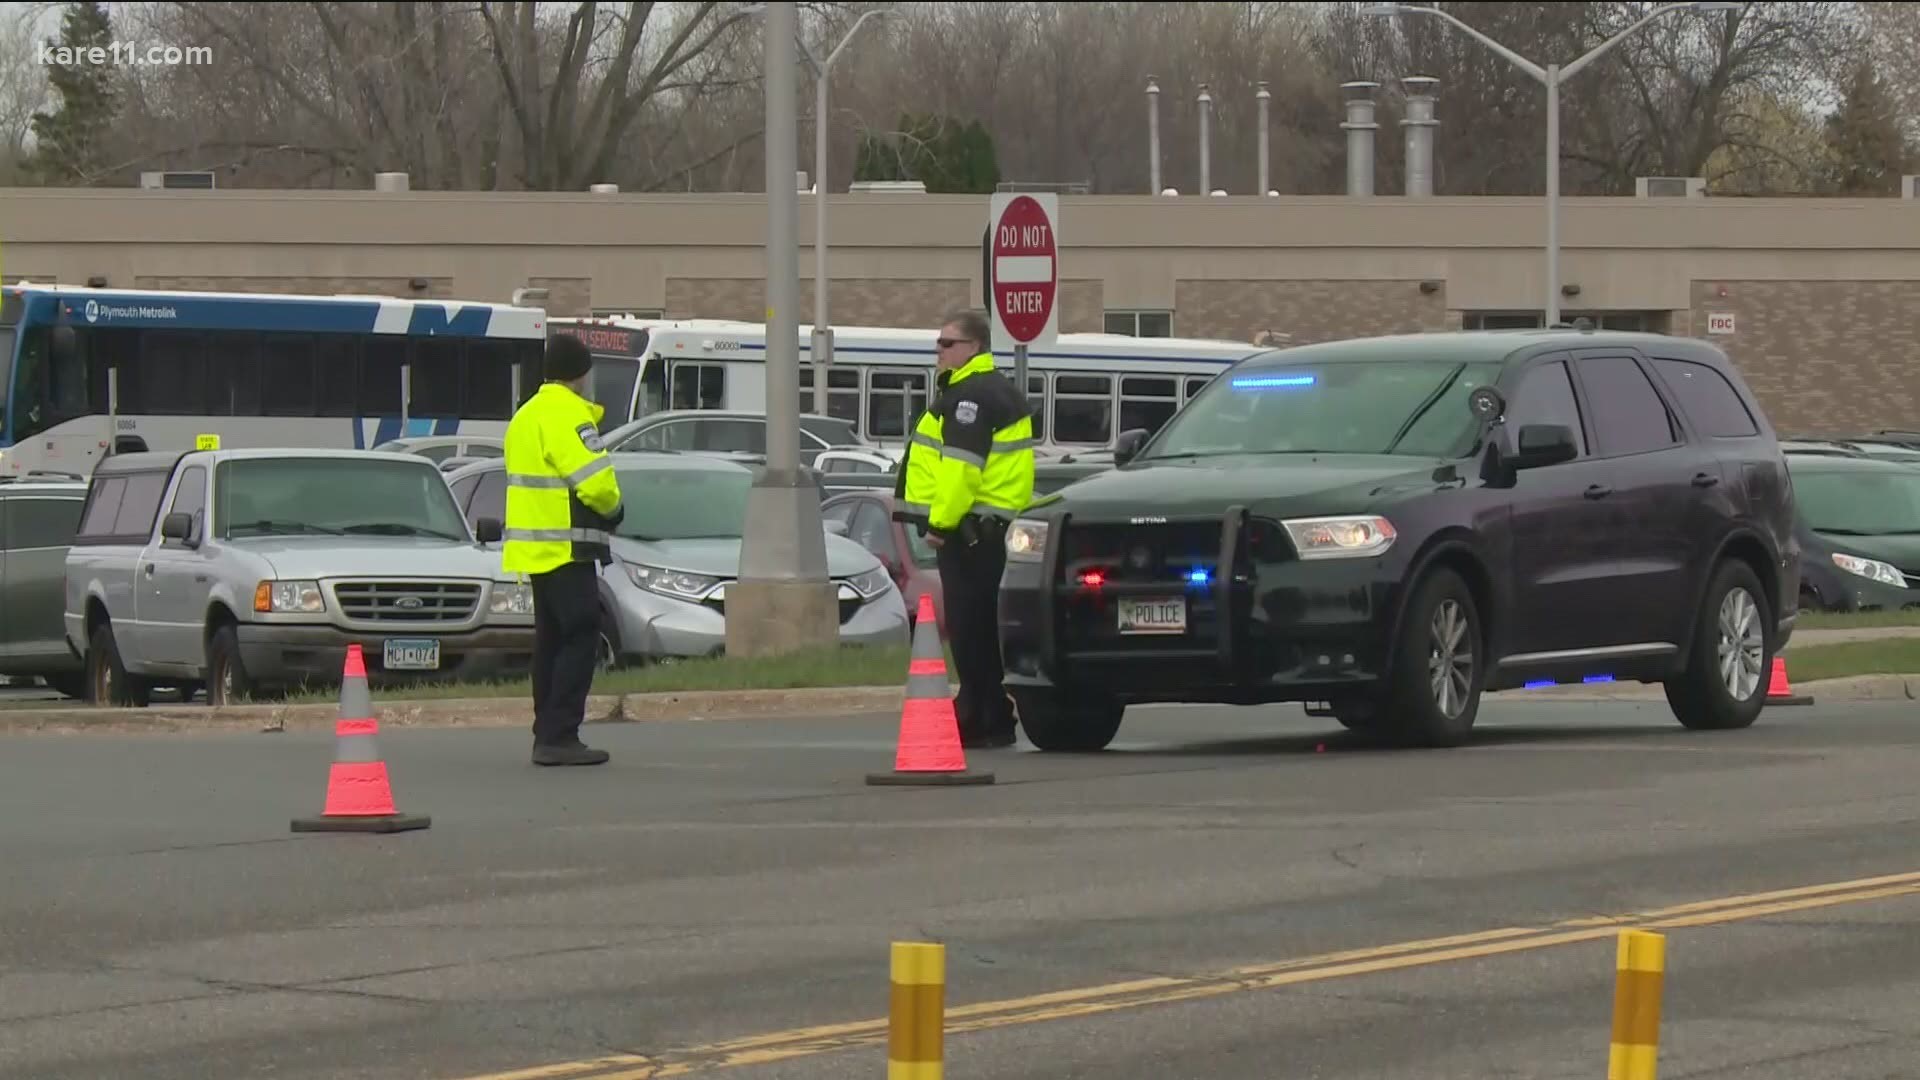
point(563, 503)
point(968, 471)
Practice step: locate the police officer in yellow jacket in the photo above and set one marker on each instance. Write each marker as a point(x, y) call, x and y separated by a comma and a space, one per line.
point(563, 503)
point(968, 471)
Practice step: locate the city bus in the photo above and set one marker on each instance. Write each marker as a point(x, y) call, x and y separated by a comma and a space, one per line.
point(85, 372)
point(1085, 388)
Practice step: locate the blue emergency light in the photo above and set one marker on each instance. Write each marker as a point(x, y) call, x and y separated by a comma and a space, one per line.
point(1262, 381)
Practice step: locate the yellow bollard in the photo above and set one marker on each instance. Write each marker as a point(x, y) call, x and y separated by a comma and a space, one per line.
point(916, 1025)
point(1639, 983)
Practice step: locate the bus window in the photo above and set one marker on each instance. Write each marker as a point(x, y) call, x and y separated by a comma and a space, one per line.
point(336, 363)
point(653, 388)
point(894, 399)
point(1082, 408)
point(1147, 401)
point(1037, 405)
point(613, 384)
point(843, 392)
point(698, 386)
point(233, 379)
point(380, 363)
point(172, 376)
point(435, 379)
point(488, 394)
point(286, 375)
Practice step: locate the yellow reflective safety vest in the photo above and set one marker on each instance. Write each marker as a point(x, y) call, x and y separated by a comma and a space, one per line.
point(971, 452)
point(562, 498)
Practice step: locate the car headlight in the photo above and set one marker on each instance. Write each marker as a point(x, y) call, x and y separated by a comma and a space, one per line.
point(675, 583)
point(870, 584)
point(1346, 537)
point(511, 598)
point(1872, 569)
point(1026, 540)
point(279, 596)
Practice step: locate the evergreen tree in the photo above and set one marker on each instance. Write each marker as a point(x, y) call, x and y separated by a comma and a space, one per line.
point(1867, 150)
point(70, 140)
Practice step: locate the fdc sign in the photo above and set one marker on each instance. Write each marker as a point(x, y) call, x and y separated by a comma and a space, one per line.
point(1024, 240)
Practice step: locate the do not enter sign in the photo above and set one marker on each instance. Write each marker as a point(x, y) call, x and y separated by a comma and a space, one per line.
point(1024, 240)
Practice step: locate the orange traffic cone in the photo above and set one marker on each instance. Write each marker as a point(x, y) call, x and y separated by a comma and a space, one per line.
point(359, 795)
point(1779, 692)
point(929, 751)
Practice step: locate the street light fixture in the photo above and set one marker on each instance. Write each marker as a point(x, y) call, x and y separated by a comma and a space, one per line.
point(822, 353)
point(1551, 77)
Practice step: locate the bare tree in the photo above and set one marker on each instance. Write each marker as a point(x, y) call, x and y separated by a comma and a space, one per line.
point(23, 85)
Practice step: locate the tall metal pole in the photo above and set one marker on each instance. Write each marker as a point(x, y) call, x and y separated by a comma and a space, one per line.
point(822, 324)
point(783, 268)
point(1153, 136)
point(1206, 151)
point(822, 351)
point(782, 600)
point(1552, 307)
point(1264, 97)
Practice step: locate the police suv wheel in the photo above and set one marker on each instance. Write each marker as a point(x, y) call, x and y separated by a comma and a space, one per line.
point(1067, 723)
point(1433, 690)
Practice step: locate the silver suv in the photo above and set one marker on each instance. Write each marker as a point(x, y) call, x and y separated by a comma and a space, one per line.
point(38, 516)
point(266, 564)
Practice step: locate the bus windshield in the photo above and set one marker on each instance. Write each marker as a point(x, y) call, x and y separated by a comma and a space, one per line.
point(6, 374)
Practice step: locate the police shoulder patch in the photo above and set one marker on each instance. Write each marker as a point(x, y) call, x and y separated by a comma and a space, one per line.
point(966, 411)
point(590, 435)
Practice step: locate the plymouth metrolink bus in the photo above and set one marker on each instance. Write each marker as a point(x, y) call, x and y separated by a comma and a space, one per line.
point(1084, 388)
point(86, 372)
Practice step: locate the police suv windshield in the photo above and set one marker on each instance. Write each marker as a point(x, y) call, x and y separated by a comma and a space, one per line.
point(1416, 408)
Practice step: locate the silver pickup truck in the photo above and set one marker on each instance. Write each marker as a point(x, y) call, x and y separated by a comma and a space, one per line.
point(265, 564)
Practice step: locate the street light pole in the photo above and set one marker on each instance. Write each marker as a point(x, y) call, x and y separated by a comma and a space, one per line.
point(822, 352)
point(782, 599)
point(1551, 77)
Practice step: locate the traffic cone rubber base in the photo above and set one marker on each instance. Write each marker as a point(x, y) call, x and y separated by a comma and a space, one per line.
point(390, 823)
point(929, 752)
point(1779, 691)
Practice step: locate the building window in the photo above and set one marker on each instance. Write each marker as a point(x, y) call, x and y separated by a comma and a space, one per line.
point(1140, 323)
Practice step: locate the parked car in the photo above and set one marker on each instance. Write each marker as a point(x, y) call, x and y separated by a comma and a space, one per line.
point(1859, 530)
point(867, 517)
point(266, 564)
point(1387, 528)
point(38, 516)
point(446, 451)
point(730, 432)
point(678, 549)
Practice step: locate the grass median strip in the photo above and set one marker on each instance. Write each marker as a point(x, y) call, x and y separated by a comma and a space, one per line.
point(1857, 620)
point(1888, 656)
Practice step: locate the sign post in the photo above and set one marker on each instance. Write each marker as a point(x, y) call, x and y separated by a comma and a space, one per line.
point(1024, 274)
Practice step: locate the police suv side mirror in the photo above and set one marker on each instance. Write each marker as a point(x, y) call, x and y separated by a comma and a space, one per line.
point(1544, 444)
point(1129, 444)
point(488, 530)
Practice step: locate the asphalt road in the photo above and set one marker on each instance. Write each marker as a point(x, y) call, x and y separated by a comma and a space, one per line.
point(723, 881)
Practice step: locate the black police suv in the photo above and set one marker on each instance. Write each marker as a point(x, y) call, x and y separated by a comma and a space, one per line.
point(1859, 529)
point(1392, 526)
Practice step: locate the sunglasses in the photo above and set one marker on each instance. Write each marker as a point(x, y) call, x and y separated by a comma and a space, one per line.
point(948, 342)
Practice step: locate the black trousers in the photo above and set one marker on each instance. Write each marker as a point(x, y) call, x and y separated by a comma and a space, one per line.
point(970, 590)
point(566, 629)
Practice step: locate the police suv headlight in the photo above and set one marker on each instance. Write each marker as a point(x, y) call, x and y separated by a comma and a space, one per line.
point(1026, 540)
point(288, 596)
point(511, 598)
point(675, 583)
point(1346, 537)
point(1872, 569)
point(870, 584)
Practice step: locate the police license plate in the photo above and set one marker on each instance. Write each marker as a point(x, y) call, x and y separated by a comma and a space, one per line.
point(1153, 615)
point(412, 654)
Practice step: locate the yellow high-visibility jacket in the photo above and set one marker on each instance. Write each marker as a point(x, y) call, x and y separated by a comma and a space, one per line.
point(971, 452)
point(562, 498)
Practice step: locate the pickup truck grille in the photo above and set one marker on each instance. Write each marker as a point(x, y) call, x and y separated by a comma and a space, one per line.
point(407, 601)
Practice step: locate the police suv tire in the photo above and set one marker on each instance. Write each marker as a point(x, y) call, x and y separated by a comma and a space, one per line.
point(1699, 695)
point(107, 680)
point(1441, 620)
point(1067, 723)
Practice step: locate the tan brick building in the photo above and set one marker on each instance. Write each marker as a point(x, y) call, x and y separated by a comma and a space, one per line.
point(1824, 295)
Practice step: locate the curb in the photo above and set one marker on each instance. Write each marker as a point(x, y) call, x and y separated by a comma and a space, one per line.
point(709, 705)
point(490, 712)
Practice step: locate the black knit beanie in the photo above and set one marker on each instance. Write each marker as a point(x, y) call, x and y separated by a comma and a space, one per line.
point(567, 359)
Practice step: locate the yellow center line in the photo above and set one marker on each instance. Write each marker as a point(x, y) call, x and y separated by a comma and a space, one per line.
point(1164, 990)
